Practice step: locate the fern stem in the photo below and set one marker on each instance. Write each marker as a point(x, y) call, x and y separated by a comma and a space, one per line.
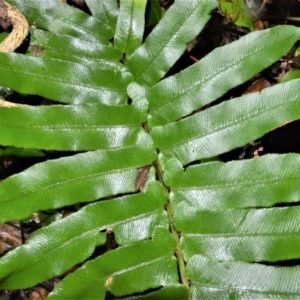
point(169, 209)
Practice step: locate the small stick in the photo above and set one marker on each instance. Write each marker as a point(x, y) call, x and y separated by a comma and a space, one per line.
point(20, 27)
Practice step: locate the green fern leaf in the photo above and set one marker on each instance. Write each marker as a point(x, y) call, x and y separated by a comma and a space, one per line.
point(99, 81)
point(47, 44)
point(211, 279)
point(154, 12)
point(75, 128)
point(212, 77)
point(104, 11)
point(223, 127)
point(55, 16)
point(224, 235)
point(181, 24)
point(59, 182)
point(33, 262)
point(129, 31)
point(143, 260)
point(216, 185)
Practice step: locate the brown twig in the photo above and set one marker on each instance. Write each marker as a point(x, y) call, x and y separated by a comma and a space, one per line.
point(11, 16)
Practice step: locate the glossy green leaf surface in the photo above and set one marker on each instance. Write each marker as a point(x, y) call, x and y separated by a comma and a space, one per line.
point(238, 12)
point(59, 17)
point(76, 127)
point(181, 23)
point(240, 280)
point(105, 11)
point(270, 234)
point(20, 152)
point(151, 260)
point(154, 12)
point(290, 75)
point(101, 81)
point(47, 259)
point(223, 127)
point(259, 182)
point(141, 227)
point(130, 25)
point(61, 46)
point(60, 182)
point(222, 69)
point(39, 260)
